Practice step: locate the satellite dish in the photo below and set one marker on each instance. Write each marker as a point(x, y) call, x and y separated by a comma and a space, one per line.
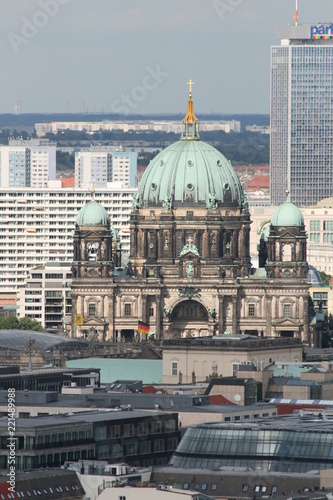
point(237, 398)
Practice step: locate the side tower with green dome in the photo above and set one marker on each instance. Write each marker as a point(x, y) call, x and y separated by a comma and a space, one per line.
point(96, 254)
point(283, 255)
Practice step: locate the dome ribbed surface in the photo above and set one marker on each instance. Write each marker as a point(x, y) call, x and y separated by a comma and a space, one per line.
point(287, 214)
point(190, 171)
point(93, 214)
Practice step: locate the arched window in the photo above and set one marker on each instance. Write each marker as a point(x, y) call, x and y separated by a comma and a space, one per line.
point(286, 252)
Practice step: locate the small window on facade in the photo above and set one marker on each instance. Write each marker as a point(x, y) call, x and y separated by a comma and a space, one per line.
point(128, 309)
point(204, 487)
point(185, 486)
point(189, 214)
point(214, 486)
point(252, 309)
point(264, 489)
point(197, 486)
point(274, 489)
point(287, 310)
point(152, 213)
point(174, 368)
point(257, 488)
point(245, 487)
point(227, 312)
point(151, 311)
point(92, 309)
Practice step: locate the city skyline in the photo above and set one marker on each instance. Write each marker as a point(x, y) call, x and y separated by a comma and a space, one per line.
point(128, 57)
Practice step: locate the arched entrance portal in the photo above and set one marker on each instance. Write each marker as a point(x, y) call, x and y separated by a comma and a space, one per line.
point(190, 319)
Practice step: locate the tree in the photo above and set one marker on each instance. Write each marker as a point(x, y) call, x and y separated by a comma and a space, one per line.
point(327, 331)
point(325, 277)
point(13, 323)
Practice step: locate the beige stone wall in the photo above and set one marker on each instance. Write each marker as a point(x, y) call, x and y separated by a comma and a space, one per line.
point(203, 361)
point(318, 377)
point(260, 376)
point(326, 478)
point(241, 414)
point(327, 391)
point(296, 392)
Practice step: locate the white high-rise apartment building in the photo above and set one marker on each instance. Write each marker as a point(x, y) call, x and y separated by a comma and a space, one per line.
point(46, 298)
point(37, 224)
point(93, 168)
point(124, 168)
point(301, 157)
point(98, 167)
point(30, 163)
point(142, 125)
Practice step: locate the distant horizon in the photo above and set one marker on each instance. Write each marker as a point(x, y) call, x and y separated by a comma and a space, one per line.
point(128, 117)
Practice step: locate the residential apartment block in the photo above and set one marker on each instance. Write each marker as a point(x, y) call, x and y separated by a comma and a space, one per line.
point(46, 296)
point(30, 163)
point(37, 225)
point(144, 125)
point(98, 167)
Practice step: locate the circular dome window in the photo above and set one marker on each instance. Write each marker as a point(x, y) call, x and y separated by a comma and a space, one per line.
point(190, 163)
point(226, 186)
point(162, 163)
point(190, 187)
point(219, 163)
point(154, 186)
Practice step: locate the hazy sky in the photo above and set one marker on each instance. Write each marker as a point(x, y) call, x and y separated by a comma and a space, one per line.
point(135, 56)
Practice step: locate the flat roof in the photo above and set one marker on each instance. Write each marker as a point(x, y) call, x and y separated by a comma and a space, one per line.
point(82, 417)
point(292, 422)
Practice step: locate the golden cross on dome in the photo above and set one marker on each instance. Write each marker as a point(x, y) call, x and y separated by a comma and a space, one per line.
point(92, 191)
point(190, 83)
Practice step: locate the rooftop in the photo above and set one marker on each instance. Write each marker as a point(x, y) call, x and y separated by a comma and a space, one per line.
point(79, 418)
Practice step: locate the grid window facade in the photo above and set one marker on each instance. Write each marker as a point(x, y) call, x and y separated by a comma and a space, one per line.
point(301, 155)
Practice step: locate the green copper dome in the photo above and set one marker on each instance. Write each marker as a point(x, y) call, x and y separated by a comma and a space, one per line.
point(287, 214)
point(189, 172)
point(93, 214)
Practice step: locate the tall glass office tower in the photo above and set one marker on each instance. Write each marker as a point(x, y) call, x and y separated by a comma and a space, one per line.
point(301, 157)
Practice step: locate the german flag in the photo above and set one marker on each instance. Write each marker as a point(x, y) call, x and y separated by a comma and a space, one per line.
point(143, 327)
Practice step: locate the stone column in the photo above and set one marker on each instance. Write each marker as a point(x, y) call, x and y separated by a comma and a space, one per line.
point(235, 243)
point(234, 316)
point(221, 315)
point(74, 306)
point(110, 318)
point(268, 315)
point(158, 317)
point(307, 331)
point(240, 243)
point(144, 308)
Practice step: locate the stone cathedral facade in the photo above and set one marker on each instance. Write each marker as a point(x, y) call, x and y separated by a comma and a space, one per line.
point(189, 271)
